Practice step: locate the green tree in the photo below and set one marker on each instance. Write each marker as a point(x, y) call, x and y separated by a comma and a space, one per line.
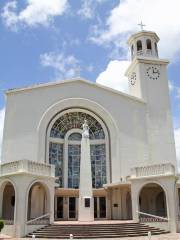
point(1, 225)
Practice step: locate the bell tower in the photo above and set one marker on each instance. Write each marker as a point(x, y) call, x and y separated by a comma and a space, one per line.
point(147, 76)
point(145, 62)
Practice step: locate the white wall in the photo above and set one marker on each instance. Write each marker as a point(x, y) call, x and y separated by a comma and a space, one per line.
point(25, 109)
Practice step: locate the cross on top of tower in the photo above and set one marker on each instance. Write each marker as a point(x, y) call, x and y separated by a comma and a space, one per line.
point(141, 25)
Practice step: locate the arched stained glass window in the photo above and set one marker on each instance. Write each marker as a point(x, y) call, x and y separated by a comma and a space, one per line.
point(67, 150)
point(75, 120)
point(75, 137)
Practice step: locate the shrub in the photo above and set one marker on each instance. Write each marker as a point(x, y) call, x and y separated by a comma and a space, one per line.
point(1, 225)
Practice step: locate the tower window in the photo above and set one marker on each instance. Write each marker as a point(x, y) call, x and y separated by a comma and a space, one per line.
point(148, 44)
point(139, 45)
point(132, 50)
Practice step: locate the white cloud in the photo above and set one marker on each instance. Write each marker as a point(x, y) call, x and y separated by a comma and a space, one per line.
point(175, 89)
point(90, 68)
point(2, 114)
point(177, 143)
point(177, 92)
point(159, 16)
point(36, 12)
point(114, 77)
point(64, 66)
point(87, 10)
point(171, 86)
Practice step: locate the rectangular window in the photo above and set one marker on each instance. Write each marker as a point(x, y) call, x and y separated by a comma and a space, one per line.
point(56, 158)
point(98, 165)
point(74, 151)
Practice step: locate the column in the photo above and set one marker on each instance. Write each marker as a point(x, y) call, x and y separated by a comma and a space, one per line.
point(171, 203)
point(135, 200)
point(21, 207)
point(86, 203)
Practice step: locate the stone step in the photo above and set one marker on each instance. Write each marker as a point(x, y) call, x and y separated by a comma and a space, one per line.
point(98, 230)
point(102, 233)
point(80, 231)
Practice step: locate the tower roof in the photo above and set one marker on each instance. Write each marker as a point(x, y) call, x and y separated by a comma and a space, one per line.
point(143, 33)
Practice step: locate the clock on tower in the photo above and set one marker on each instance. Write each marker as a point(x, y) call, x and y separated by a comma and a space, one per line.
point(147, 72)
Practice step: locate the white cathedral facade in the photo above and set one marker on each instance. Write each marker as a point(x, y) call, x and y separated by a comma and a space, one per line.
point(126, 168)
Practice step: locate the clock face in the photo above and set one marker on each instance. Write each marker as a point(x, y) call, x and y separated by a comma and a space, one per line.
point(153, 72)
point(133, 78)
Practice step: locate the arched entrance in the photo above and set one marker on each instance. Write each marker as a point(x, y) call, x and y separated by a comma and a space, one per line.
point(37, 201)
point(152, 200)
point(8, 202)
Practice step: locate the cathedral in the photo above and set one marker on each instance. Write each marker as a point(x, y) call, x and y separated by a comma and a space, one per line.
point(75, 150)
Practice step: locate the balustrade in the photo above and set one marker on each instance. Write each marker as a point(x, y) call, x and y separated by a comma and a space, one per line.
point(27, 166)
point(153, 170)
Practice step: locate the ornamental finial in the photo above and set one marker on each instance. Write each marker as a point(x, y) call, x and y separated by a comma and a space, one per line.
point(141, 25)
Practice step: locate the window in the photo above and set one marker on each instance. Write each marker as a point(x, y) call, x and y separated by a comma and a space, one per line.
point(66, 149)
point(74, 152)
point(75, 137)
point(56, 158)
point(75, 120)
point(148, 44)
point(98, 165)
point(132, 50)
point(139, 45)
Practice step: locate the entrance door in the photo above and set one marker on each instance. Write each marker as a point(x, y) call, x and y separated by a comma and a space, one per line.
point(60, 212)
point(95, 207)
point(72, 208)
point(99, 207)
point(102, 207)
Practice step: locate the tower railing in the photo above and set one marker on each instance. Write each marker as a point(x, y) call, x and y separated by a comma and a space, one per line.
point(145, 53)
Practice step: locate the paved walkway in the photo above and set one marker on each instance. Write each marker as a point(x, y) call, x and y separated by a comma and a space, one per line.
point(170, 236)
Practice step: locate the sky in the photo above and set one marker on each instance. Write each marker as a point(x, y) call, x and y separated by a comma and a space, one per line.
point(49, 40)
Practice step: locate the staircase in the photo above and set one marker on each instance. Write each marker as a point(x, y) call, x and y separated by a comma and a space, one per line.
point(84, 231)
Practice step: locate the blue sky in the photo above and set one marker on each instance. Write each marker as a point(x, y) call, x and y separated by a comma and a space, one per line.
point(47, 40)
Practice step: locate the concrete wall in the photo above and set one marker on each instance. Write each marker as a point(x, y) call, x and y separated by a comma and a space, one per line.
point(133, 138)
point(26, 109)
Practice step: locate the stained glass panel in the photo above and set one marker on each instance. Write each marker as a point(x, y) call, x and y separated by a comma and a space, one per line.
point(75, 120)
point(98, 165)
point(56, 158)
point(74, 152)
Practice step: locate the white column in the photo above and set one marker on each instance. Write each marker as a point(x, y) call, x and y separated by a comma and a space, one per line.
point(171, 203)
point(86, 213)
point(135, 200)
point(21, 207)
point(51, 200)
